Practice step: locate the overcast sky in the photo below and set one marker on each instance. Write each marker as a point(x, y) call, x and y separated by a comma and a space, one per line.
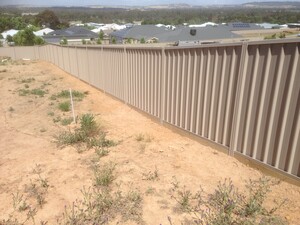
point(121, 2)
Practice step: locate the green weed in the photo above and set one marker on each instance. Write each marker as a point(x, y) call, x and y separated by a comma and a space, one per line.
point(66, 121)
point(151, 175)
point(28, 80)
point(227, 205)
point(64, 106)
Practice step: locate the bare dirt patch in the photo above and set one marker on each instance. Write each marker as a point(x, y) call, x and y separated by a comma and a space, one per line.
point(40, 178)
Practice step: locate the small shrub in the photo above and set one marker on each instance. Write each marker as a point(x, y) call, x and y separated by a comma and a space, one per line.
point(227, 205)
point(23, 92)
point(50, 113)
point(104, 176)
point(273, 36)
point(101, 152)
point(64, 106)
point(151, 175)
point(38, 92)
point(66, 121)
point(143, 137)
point(77, 95)
point(11, 109)
point(88, 124)
point(26, 86)
point(89, 133)
point(57, 119)
point(28, 80)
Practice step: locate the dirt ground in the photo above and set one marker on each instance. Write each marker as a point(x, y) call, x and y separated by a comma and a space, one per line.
point(29, 153)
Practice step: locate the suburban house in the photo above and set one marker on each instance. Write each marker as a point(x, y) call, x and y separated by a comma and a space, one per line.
point(42, 32)
point(11, 32)
point(152, 33)
point(74, 35)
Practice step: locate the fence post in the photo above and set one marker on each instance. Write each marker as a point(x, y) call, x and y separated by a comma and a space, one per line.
point(241, 73)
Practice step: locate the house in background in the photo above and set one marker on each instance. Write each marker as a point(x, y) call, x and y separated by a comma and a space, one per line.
point(42, 32)
point(74, 35)
point(165, 34)
point(11, 32)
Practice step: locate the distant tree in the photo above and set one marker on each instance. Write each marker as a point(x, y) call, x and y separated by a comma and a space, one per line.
point(1, 44)
point(64, 41)
point(9, 38)
point(24, 37)
point(83, 41)
point(39, 41)
point(99, 41)
point(142, 41)
point(1, 36)
point(281, 35)
point(48, 18)
point(113, 40)
point(101, 35)
point(273, 36)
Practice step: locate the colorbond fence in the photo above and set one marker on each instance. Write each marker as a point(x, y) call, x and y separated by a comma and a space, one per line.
point(243, 96)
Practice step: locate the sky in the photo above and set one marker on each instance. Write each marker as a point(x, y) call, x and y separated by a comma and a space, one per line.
point(123, 2)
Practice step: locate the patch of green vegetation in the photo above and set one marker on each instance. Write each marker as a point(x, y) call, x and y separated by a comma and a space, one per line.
point(28, 80)
point(23, 92)
point(66, 121)
point(227, 205)
point(50, 113)
point(104, 176)
point(100, 205)
point(64, 106)
point(101, 151)
point(37, 91)
point(89, 133)
point(57, 119)
point(151, 175)
point(76, 95)
point(143, 137)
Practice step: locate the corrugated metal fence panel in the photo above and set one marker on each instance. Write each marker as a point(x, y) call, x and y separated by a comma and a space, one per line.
point(200, 90)
point(144, 68)
point(94, 69)
point(267, 115)
point(114, 74)
point(27, 52)
point(82, 61)
point(73, 61)
point(7, 51)
point(66, 59)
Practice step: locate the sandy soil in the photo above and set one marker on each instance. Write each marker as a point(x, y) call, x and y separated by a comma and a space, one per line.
point(27, 145)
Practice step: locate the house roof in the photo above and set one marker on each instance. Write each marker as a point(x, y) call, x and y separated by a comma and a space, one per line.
point(11, 32)
point(182, 33)
point(69, 33)
point(242, 26)
point(73, 32)
point(42, 32)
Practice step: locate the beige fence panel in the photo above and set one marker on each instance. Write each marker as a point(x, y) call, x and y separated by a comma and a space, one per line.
point(82, 61)
point(66, 60)
point(200, 90)
point(267, 110)
point(73, 61)
point(144, 68)
point(93, 66)
point(113, 72)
